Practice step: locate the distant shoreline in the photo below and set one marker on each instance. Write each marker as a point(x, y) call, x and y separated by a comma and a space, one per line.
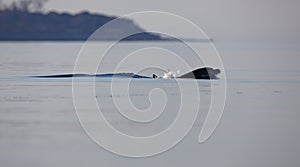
point(18, 25)
point(108, 40)
point(26, 26)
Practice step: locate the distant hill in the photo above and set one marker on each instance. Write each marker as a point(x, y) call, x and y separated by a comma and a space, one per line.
point(18, 25)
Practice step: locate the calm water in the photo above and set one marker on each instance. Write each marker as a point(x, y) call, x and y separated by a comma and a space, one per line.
point(39, 126)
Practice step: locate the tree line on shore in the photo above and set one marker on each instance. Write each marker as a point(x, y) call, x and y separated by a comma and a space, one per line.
point(24, 5)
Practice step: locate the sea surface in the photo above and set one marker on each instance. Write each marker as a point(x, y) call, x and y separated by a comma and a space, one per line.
point(39, 125)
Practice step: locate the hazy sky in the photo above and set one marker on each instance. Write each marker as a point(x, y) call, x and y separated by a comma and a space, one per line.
point(223, 20)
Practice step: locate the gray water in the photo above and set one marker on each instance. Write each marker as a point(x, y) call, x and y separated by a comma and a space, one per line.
point(39, 126)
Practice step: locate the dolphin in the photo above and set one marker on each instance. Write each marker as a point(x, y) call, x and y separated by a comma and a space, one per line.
point(200, 73)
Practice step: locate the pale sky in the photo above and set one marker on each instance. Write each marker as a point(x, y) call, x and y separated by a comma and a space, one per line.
point(222, 20)
point(236, 20)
